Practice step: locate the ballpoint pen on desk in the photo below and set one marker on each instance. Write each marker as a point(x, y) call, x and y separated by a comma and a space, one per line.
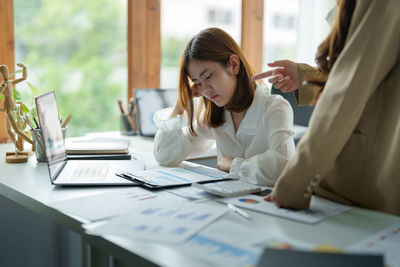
point(239, 211)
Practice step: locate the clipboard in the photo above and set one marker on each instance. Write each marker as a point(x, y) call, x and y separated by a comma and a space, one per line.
point(179, 176)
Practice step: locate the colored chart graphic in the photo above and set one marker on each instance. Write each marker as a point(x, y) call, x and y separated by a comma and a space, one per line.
point(248, 200)
point(280, 245)
point(220, 253)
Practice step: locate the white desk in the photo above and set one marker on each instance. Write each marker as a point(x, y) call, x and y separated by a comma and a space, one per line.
point(29, 187)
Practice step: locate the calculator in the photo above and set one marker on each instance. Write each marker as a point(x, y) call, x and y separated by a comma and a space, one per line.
point(228, 188)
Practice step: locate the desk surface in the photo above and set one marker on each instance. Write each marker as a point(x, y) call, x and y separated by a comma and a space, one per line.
point(28, 185)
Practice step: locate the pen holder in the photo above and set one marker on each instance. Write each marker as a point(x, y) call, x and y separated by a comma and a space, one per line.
point(126, 127)
point(38, 144)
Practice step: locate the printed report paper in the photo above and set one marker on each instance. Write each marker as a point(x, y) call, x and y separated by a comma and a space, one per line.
point(225, 243)
point(320, 209)
point(166, 221)
point(101, 206)
point(178, 175)
point(385, 242)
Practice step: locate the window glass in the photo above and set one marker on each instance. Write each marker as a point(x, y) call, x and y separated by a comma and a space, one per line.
point(182, 19)
point(280, 30)
point(78, 49)
point(293, 29)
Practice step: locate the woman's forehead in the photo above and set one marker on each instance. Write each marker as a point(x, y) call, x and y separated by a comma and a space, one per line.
point(197, 68)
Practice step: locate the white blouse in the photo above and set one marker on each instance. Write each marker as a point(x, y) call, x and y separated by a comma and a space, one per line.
point(261, 146)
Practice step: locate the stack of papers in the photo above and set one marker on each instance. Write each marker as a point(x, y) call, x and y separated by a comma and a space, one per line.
point(103, 206)
point(98, 145)
point(161, 221)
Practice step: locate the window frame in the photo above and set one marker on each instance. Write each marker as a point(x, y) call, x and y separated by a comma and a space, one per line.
point(144, 42)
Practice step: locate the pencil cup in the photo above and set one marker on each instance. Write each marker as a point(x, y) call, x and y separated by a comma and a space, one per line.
point(38, 144)
point(125, 126)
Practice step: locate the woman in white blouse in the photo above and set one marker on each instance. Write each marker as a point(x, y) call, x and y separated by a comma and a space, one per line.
point(252, 129)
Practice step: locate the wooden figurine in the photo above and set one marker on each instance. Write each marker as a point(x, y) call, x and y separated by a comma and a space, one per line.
point(6, 89)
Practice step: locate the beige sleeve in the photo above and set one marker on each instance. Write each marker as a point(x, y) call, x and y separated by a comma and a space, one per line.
point(307, 91)
point(370, 53)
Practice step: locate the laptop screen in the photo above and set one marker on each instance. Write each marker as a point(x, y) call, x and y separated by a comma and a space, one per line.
point(51, 132)
point(148, 101)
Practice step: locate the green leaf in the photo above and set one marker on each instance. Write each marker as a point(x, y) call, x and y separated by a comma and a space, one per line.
point(25, 109)
point(2, 97)
point(34, 112)
point(17, 95)
point(34, 90)
point(18, 71)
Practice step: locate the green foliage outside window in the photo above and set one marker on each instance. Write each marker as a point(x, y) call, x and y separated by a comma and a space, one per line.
point(172, 49)
point(77, 48)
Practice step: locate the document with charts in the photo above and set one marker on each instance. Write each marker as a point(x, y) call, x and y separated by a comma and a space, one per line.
point(166, 221)
point(385, 242)
point(177, 176)
point(225, 243)
point(320, 209)
point(106, 205)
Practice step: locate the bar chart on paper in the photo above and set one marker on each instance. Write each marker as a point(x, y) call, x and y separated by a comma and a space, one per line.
point(162, 221)
point(226, 243)
point(221, 253)
point(179, 176)
point(385, 242)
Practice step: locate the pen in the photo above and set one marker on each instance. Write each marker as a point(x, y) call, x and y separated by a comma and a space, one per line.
point(131, 106)
point(66, 121)
point(37, 135)
point(239, 211)
point(37, 124)
point(126, 113)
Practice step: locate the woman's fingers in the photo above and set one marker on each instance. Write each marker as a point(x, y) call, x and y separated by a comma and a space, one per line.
point(266, 74)
point(278, 63)
point(269, 198)
point(282, 82)
point(275, 78)
point(263, 75)
point(285, 88)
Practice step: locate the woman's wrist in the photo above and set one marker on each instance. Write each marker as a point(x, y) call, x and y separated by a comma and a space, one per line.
point(176, 111)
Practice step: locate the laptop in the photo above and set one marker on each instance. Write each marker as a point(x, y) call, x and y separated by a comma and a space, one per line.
point(75, 172)
point(148, 101)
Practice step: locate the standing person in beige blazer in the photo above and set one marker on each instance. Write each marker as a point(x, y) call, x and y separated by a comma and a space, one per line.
point(351, 151)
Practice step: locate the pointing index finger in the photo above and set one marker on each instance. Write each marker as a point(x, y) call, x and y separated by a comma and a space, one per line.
point(263, 75)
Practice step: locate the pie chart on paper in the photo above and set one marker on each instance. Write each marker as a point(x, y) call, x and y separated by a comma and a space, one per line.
point(248, 200)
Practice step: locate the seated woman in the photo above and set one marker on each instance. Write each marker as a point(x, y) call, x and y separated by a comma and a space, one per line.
point(252, 128)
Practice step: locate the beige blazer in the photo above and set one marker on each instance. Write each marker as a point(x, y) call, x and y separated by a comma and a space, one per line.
point(351, 151)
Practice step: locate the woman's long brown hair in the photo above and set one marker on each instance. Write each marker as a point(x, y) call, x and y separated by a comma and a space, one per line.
point(329, 50)
point(216, 45)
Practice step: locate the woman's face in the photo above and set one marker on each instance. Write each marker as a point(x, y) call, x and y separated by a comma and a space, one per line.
point(213, 81)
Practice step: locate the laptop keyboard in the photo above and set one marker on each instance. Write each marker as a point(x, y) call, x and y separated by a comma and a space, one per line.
point(96, 171)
